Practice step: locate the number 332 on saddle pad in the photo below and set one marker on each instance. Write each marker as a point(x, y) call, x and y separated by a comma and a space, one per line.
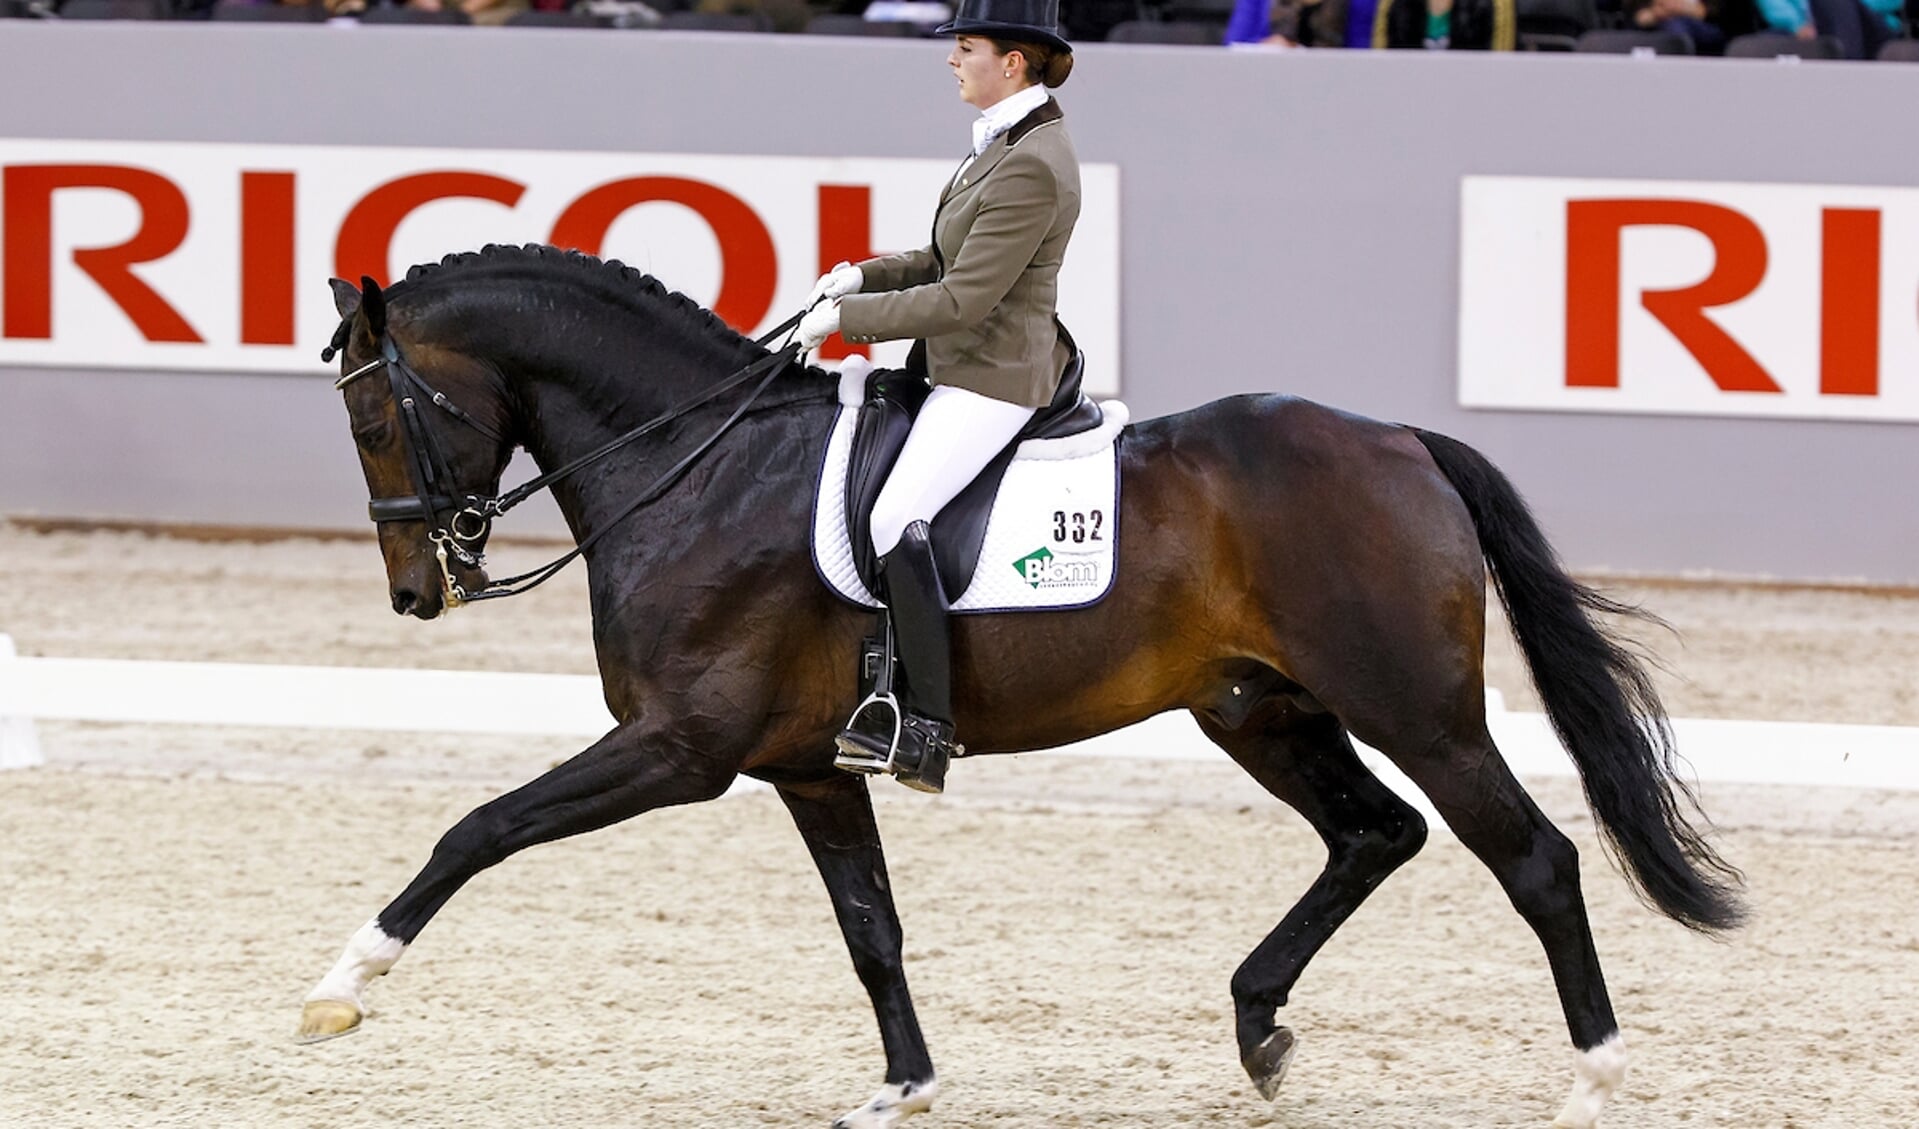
point(1037, 530)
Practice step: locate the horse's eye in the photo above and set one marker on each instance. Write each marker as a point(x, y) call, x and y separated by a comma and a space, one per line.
point(373, 433)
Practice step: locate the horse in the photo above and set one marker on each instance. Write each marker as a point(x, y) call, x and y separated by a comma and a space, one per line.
point(1292, 575)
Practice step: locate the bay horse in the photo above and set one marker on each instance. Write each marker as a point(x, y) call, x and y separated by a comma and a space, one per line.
point(1289, 573)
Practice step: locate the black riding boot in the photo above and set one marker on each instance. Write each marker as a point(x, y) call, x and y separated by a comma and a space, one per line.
point(917, 606)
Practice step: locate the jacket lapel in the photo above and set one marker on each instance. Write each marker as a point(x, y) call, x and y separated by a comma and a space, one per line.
point(952, 182)
point(983, 164)
point(1049, 111)
point(995, 152)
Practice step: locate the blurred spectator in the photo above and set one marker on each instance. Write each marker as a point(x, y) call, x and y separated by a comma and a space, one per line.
point(614, 13)
point(203, 9)
point(1303, 23)
point(786, 15)
point(1460, 25)
point(927, 14)
point(1860, 26)
point(1693, 20)
point(1088, 21)
point(486, 13)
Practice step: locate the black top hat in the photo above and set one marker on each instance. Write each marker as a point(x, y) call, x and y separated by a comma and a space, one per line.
point(1026, 21)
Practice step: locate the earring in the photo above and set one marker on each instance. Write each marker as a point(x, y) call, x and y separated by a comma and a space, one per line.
point(1009, 74)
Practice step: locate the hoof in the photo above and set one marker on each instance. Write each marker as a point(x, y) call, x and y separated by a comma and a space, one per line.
point(326, 1019)
point(1266, 1064)
point(893, 1104)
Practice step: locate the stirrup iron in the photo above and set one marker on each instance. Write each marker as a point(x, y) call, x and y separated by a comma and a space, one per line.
point(855, 757)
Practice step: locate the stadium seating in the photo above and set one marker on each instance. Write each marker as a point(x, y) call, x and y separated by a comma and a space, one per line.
point(1554, 25)
point(534, 17)
point(1196, 11)
point(1156, 31)
point(716, 21)
point(450, 16)
point(845, 24)
point(114, 10)
point(1776, 44)
point(1629, 41)
point(238, 11)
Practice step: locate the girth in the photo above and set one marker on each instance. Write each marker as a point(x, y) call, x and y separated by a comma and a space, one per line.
point(893, 400)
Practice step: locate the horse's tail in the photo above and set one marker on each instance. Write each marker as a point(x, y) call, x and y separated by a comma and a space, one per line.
point(1601, 702)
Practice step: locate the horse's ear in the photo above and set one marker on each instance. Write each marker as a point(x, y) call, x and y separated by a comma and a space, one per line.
point(345, 298)
point(373, 305)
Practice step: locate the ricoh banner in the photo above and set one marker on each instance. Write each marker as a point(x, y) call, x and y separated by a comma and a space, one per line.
point(1697, 298)
point(215, 256)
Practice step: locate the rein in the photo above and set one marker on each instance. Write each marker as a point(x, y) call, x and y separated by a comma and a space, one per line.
point(473, 514)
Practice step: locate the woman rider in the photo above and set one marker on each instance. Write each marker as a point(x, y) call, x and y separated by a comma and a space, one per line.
point(983, 296)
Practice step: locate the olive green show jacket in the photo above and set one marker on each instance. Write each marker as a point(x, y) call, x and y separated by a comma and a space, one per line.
point(985, 292)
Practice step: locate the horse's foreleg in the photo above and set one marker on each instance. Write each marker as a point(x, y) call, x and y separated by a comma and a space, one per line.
point(1538, 867)
point(623, 774)
point(1307, 761)
point(835, 817)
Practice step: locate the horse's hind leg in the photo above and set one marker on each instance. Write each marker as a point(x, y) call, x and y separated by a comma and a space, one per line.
point(1306, 760)
point(627, 772)
point(835, 817)
point(1538, 867)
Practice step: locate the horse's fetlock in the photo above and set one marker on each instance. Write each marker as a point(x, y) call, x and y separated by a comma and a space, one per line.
point(1256, 1002)
point(877, 969)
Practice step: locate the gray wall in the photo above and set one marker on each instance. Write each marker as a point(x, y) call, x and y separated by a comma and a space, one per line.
point(1289, 222)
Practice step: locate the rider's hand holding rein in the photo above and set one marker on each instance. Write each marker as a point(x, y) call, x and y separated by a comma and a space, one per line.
point(842, 280)
point(820, 322)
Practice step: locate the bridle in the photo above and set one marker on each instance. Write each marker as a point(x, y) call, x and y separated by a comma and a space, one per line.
point(457, 524)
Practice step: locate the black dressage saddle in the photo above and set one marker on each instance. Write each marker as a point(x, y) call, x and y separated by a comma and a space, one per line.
point(893, 399)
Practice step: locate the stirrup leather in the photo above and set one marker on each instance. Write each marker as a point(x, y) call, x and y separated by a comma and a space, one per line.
point(913, 742)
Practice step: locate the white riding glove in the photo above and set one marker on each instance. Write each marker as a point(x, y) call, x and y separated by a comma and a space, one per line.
point(820, 322)
point(842, 280)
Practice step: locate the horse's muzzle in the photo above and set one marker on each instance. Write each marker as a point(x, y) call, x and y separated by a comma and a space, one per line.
point(408, 601)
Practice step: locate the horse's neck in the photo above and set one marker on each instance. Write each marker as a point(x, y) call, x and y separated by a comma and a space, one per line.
point(590, 398)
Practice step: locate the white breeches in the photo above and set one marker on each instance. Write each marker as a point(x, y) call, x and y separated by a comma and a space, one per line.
point(956, 435)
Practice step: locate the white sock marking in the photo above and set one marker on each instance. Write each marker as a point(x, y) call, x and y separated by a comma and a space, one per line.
point(893, 1104)
point(1596, 1074)
point(368, 954)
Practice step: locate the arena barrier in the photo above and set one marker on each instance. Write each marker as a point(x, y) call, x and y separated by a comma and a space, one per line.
point(19, 745)
point(1789, 754)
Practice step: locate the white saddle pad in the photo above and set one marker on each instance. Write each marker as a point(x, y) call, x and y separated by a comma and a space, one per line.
point(1053, 536)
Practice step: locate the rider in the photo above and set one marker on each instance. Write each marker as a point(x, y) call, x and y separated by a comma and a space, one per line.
point(983, 296)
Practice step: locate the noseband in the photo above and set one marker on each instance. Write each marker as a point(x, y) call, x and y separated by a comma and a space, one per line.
point(469, 517)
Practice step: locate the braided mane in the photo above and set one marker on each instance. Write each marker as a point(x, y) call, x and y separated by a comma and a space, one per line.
point(588, 268)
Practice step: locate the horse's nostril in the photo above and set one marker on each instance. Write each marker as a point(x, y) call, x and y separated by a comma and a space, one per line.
point(405, 600)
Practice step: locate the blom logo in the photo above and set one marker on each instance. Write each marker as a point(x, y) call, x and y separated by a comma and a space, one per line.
point(1042, 569)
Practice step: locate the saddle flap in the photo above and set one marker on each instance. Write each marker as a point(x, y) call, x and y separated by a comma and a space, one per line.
point(893, 399)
